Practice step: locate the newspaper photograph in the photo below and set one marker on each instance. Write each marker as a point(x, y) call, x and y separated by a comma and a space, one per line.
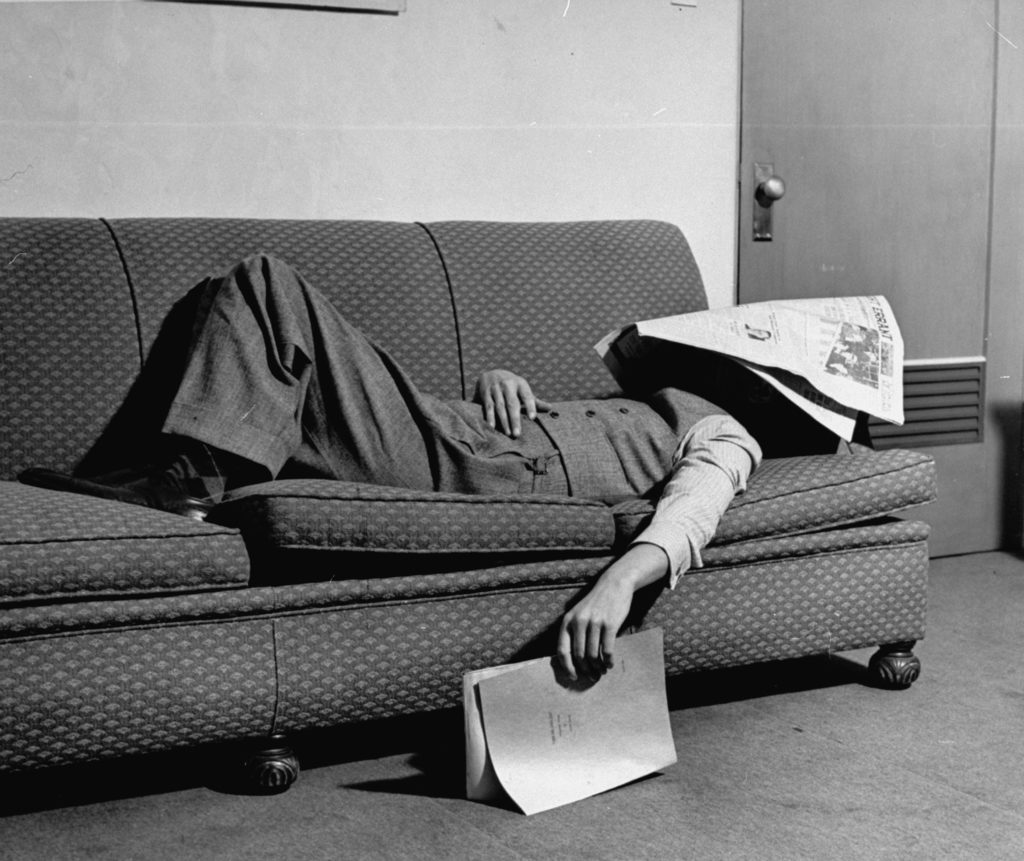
point(832, 357)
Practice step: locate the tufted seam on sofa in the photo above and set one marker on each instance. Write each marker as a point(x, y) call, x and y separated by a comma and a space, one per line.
point(451, 298)
point(386, 494)
point(471, 499)
point(229, 534)
point(786, 560)
point(84, 595)
point(923, 462)
point(132, 293)
point(477, 550)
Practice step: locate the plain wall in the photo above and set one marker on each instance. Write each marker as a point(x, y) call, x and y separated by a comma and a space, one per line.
point(454, 109)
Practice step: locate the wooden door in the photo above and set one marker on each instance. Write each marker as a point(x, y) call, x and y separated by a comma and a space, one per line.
point(878, 117)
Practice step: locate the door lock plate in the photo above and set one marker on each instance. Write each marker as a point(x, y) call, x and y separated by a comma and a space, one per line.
point(763, 174)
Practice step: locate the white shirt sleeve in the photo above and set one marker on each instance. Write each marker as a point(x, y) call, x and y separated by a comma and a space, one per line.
point(710, 466)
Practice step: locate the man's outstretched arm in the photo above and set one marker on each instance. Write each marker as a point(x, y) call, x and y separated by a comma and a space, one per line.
point(710, 466)
point(586, 639)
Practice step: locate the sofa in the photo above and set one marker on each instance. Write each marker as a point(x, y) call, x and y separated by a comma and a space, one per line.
point(305, 604)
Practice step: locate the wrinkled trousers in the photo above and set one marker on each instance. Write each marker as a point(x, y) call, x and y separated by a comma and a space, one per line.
point(276, 375)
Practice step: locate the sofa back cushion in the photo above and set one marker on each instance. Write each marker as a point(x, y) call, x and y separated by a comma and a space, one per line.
point(385, 277)
point(535, 297)
point(68, 344)
point(84, 299)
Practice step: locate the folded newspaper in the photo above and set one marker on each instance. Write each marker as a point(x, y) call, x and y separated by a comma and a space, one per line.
point(832, 357)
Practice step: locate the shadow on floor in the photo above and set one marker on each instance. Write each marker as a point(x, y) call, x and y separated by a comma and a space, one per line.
point(439, 757)
point(713, 687)
point(433, 743)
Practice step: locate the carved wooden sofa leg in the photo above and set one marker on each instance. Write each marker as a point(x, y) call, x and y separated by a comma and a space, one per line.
point(895, 665)
point(272, 766)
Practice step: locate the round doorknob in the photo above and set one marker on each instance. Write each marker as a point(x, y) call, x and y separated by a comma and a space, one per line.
point(770, 190)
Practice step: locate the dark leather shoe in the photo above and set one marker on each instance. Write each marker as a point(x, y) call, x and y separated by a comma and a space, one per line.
point(146, 492)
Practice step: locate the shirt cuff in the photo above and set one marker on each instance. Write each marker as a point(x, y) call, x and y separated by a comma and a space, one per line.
point(681, 552)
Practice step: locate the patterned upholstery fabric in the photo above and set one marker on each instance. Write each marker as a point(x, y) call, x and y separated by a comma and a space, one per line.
point(62, 617)
point(565, 286)
point(124, 630)
point(365, 661)
point(369, 661)
point(368, 520)
point(62, 545)
point(416, 582)
point(885, 533)
point(73, 698)
point(385, 277)
point(799, 494)
point(68, 331)
point(818, 604)
point(343, 654)
point(411, 585)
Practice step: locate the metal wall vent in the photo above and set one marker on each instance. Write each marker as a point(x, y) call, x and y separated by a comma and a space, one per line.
point(943, 404)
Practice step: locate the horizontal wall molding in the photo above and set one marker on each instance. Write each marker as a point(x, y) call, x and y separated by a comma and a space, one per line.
point(943, 404)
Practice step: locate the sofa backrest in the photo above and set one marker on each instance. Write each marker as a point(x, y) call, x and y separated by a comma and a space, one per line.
point(384, 276)
point(68, 344)
point(83, 301)
point(535, 297)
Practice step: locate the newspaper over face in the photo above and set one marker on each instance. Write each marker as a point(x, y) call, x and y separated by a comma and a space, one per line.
point(832, 357)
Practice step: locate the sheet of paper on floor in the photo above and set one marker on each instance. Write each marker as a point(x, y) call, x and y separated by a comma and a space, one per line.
point(535, 739)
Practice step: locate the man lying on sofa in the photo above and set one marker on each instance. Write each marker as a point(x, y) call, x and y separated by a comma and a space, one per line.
point(279, 384)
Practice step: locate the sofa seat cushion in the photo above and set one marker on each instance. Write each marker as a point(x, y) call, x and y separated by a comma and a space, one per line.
point(312, 519)
point(417, 584)
point(56, 545)
point(792, 495)
point(874, 534)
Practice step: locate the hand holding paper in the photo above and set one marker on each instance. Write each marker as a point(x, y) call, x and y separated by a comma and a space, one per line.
point(543, 742)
